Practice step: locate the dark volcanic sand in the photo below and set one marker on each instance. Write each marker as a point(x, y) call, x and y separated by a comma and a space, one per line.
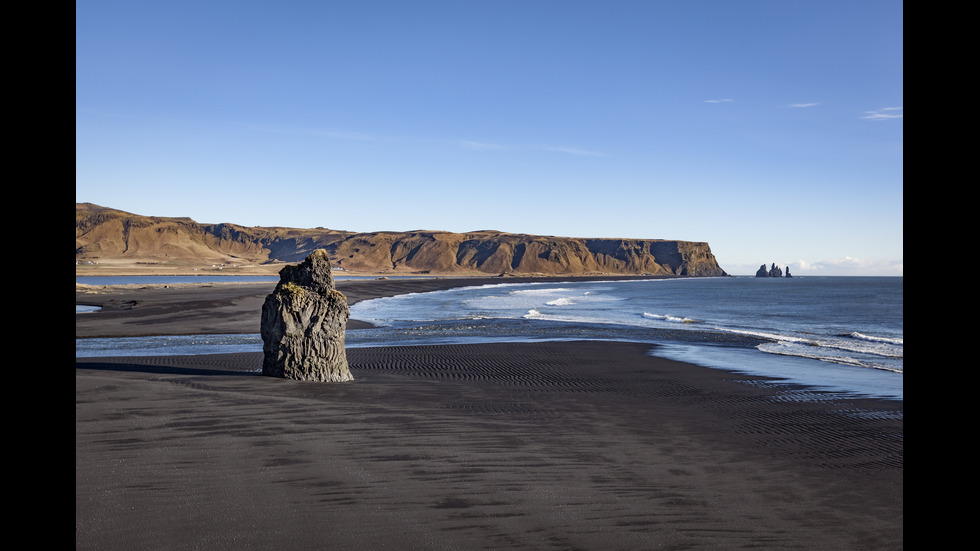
point(560, 446)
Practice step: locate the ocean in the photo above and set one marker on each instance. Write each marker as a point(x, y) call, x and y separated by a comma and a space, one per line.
point(839, 334)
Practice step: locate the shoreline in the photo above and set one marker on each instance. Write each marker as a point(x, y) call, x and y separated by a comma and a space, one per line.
point(550, 445)
point(139, 310)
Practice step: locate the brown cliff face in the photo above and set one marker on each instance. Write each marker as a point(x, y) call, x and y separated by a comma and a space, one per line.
point(103, 234)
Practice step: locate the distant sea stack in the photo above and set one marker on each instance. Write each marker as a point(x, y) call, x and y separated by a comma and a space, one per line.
point(774, 271)
point(103, 234)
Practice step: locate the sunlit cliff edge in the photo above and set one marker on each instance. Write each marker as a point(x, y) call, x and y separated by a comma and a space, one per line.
point(113, 241)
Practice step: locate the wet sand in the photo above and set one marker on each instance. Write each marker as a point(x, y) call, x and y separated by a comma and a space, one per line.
point(231, 308)
point(581, 445)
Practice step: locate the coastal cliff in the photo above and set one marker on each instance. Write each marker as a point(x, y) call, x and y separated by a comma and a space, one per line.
point(105, 235)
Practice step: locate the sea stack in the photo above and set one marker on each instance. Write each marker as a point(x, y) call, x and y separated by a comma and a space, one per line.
point(775, 271)
point(304, 321)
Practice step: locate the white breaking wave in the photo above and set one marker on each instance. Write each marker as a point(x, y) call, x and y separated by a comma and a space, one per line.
point(889, 340)
point(823, 354)
point(666, 317)
point(560, 302)
point(871, 354)
point(535, 314)
point(548, 291)
point(779, 337)
point(875, 347)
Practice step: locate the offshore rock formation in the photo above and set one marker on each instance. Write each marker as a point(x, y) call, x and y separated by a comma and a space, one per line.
point(303, 324)
point(103, 234)
point(775, 271)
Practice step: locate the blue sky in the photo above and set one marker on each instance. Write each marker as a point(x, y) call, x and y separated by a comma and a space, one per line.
point(773, 130)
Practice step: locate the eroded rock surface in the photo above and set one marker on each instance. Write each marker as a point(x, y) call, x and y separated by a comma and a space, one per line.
point(304, 322)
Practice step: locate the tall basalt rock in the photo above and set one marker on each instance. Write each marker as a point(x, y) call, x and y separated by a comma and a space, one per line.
point(304, 321)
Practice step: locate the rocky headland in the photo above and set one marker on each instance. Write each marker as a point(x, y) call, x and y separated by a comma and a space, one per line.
point(106, 237)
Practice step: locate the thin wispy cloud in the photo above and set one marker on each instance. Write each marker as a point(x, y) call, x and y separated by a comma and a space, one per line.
point(481, 146)
point(486, 146)
point(340, 135)
point(329, 133)
point(804, 104)
point(726, 100)
point(884, 114)
point(570, 151)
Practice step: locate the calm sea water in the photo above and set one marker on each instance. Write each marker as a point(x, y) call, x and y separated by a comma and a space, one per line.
point(839, 333)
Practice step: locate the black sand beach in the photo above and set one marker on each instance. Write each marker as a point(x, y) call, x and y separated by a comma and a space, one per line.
point(584, 445)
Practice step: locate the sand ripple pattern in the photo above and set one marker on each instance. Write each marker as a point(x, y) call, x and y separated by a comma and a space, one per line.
point(556, 382)
point(550, 446)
